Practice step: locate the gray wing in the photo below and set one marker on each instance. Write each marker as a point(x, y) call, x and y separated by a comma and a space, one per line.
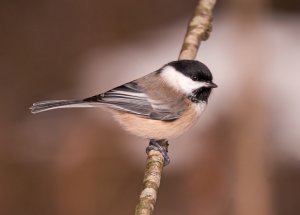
point(131, 98)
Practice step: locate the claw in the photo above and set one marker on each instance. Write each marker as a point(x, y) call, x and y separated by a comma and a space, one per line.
point(162, 147)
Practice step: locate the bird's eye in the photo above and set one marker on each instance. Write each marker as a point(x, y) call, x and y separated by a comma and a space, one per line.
point(194, 78)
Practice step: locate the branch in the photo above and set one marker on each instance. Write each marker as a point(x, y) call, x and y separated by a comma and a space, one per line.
point(198, 30)
point(154, 167)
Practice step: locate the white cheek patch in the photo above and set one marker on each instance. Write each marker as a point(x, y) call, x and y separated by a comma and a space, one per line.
point(179, 81)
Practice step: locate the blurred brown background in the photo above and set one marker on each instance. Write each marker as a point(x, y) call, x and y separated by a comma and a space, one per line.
point(242, 158)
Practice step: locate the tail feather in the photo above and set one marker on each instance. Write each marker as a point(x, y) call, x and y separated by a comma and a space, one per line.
point(55, 104)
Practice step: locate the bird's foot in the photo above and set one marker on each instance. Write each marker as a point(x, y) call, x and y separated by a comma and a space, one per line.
point(162, 147)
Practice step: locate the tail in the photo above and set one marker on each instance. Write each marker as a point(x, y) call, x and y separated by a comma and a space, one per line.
point(55, 104)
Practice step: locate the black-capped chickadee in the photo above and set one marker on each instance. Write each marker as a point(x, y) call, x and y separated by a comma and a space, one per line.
point(158, 106)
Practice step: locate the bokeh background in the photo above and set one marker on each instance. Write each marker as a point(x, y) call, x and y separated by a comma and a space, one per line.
point(243, 157)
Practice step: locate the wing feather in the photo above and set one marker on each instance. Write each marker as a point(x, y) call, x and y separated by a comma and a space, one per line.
point(132, 98)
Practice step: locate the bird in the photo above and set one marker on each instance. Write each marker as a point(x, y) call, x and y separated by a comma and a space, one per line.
point(158, 106)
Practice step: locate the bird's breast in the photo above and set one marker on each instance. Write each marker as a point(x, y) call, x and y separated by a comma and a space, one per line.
point(156, 129)
point(199, 107)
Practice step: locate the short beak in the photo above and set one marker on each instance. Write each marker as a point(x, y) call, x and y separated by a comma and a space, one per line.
point(211, 85)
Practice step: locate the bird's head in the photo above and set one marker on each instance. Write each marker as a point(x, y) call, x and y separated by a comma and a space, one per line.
point(189, 77)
